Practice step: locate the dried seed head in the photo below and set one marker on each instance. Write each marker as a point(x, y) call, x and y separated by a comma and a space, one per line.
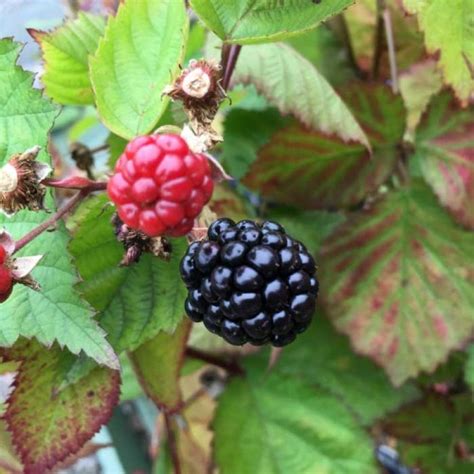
point(20, 183)
point(199, 88)
point(136, 243)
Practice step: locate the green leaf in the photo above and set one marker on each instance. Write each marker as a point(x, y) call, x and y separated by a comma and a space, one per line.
point(417, 86)
point(246, 131)
point(398, 280)
point(291, 83)
point(469, 370)
point(56, 312)
point(314, 170)
point(444, 151)
point(448, 32)
point(324, 358)
point(138, 56)
point(272, 422)
point(258, 21)
point(25, 116)
point(136, 302)
point(66, 53)
point(429, 434)
point(47, 426)
point(130, 388)
point(9, 463)
point(158, 364)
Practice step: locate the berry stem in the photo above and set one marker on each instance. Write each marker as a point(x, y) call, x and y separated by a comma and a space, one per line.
point(232, 367)
point(230, 57)
point(172, 442)
point(63, 184)
point(25, 240)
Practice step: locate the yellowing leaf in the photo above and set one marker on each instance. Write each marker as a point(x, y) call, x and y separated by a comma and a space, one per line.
point(449, 30)
point(66, 53)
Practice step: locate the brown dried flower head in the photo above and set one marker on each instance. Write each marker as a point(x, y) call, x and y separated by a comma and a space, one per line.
point(20, 182)
point(136, 243)
point(199, 88)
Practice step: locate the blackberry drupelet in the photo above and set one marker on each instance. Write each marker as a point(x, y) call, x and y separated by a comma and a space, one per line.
point(250, 282)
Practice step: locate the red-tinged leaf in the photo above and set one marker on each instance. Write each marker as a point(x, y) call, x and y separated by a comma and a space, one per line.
point(9, 463)
point(399, 280)
point(158, 364)
point(445, 153)
point(314, 170)
point(48, 426)
point(435, 435)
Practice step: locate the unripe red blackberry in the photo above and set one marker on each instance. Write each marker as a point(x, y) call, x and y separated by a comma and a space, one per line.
point(250, 282)
point(160, 185)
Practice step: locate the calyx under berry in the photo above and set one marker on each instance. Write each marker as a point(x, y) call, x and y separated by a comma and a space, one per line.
point(160, 186)
point(20, 182)
point(14, 269)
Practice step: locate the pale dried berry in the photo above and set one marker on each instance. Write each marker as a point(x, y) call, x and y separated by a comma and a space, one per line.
point(250, 282)
point(159, 185)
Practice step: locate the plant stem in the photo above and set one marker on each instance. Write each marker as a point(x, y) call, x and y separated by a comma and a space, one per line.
point(387, 20)
point(172, 442)
point(230, 56)
point(52, 220)
point(232, 367)
point(97, 149)
point(58, 183)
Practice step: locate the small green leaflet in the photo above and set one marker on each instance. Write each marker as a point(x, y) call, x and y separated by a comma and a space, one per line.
point(66, 53)
point(138, 56)
point(56, 313)
point(272, 422)
point(399, 281)
point(259, 21)
point(448, 32)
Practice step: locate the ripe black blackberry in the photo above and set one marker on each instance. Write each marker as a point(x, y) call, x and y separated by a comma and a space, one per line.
point(250, 282)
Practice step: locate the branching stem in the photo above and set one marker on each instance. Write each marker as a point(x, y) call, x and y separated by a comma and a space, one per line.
point(44, 226)
point(231, 366)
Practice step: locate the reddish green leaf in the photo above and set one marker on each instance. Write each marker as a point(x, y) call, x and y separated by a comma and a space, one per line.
point(47, 426)
point(445, 153)
point(435, 435)
point(315, 170)
point(158, 365)
point(399, 280)
point(9, 463)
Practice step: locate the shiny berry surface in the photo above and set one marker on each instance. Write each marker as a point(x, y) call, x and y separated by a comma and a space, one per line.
point(160, 186)
point(250, 283)
point(6, 283)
